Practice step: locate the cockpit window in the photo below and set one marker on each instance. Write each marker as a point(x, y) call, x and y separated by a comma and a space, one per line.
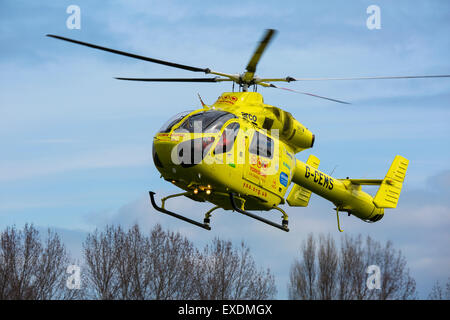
point(227, 139)
point(173, 121)
point(206, 122)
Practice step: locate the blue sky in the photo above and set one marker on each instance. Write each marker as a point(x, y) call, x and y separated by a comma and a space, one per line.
point(76, 144)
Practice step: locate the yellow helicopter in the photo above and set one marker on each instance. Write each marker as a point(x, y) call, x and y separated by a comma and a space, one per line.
point(239, 153)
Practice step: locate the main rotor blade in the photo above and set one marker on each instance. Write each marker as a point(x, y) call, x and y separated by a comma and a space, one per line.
point(286, 79)
point(372, 78)
point(309, 94)
point(251, 66)
point(131, 55)
point(175, 79)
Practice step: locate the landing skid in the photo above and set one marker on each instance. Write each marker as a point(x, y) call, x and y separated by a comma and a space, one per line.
point(205, 225)
point(173, 214)
point(283, 226)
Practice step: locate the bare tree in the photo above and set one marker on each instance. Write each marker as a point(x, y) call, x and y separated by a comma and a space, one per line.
point(303, 272)
point(30, 269)
point(165, 265)
point(327, 267)
point(100, 259)
point(342, 274)
point(352, 276)
point(225, 272)
point(439, 293)
point(396, 283)
point(130, 265)
point(133, 264)
point(172, 265)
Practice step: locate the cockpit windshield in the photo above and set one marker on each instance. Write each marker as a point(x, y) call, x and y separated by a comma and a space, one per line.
point(173, 121)
point(210, 121)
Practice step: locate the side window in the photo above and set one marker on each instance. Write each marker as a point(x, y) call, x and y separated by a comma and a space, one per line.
point(261, 145)
point(227, 139)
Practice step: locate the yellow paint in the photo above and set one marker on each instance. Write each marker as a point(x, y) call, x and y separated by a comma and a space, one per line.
point(260, 181)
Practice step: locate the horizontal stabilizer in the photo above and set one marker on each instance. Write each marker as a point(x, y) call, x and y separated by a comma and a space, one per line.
point(299, 196)
point(389, 192)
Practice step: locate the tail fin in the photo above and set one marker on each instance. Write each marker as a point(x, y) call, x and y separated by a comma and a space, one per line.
point(389, 192)
point(299, 196)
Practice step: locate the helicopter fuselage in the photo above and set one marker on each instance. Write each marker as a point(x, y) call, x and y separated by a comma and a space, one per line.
point(256, 161)
point(242, 146)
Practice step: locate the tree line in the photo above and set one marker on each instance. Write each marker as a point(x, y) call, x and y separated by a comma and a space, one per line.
point(128, 264)
point(132, 265)
point(325, 272)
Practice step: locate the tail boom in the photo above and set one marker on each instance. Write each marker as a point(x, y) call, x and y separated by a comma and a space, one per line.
point(347, 195)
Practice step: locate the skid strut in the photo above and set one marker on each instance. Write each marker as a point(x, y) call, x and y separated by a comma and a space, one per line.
point(283, 226)
point(338, 223)
point(173, 214)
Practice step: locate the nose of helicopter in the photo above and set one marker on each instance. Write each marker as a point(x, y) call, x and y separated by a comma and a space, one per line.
point(161, 151)
point(185, 151)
